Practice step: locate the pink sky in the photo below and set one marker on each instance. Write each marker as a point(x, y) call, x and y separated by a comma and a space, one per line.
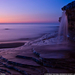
point(31, 11)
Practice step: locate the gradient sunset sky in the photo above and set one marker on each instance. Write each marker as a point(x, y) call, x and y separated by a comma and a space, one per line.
point(31, 11)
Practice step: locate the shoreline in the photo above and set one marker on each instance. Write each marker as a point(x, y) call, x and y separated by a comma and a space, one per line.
point(11, 45)
point(11, 54)
point(17, 42)
point(25, 39)
point(52, 53)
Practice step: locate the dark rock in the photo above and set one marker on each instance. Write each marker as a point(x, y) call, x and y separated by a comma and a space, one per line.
point(6, 29)
point(69, 6)
point(36, 53)
point(70, 11)
point(30, 58)
point(4, 70)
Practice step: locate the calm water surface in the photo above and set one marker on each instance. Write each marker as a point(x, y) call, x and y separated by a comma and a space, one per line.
point(22, 31)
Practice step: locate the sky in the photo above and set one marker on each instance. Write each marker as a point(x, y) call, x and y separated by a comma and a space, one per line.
point(31, 11)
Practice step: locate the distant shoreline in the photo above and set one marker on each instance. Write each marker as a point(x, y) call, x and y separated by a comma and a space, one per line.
point(31, 23)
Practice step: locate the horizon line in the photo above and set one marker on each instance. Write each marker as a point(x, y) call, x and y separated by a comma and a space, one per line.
point(29, 23)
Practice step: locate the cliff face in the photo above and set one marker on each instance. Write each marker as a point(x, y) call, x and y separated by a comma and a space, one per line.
point(71, 18)
point(69, 6)
point(70, 11)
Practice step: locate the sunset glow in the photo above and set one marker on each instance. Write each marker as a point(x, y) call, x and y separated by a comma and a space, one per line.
point(30, 11)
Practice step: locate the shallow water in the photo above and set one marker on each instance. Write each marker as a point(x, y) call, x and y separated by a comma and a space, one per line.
point(9, 32)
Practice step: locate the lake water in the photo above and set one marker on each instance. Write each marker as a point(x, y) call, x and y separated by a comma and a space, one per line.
point(12, 32)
